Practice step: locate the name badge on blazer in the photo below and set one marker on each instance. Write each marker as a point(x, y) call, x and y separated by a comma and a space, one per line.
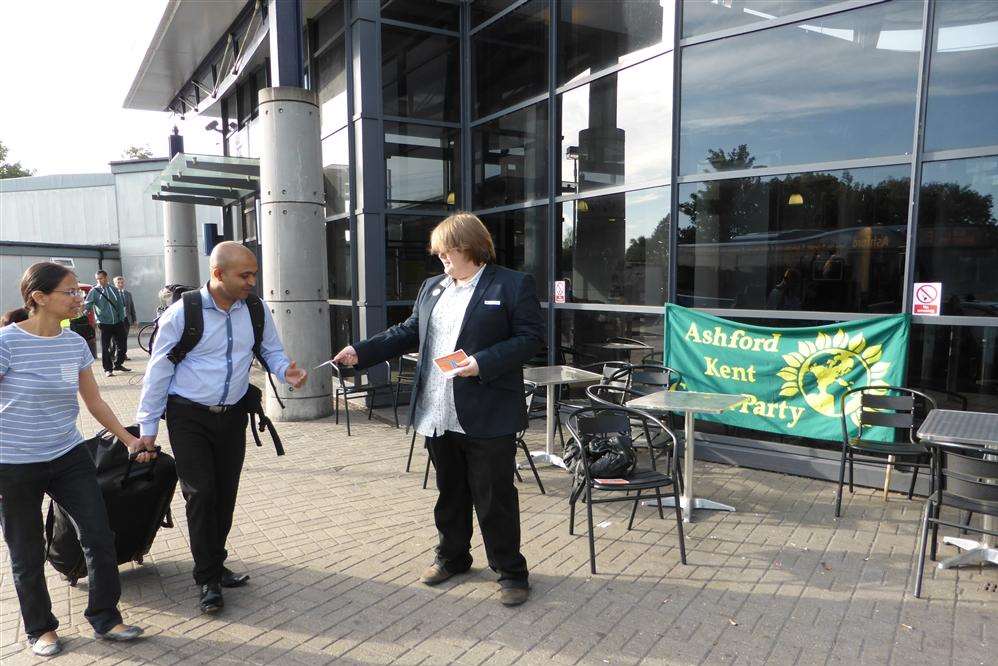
point(493, 304)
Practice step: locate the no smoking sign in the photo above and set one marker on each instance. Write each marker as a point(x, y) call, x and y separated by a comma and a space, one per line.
point(928, 298)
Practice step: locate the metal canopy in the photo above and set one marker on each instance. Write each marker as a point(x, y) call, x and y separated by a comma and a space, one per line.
point(209, 180)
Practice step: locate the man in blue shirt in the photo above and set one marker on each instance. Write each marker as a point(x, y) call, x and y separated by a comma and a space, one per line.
point(108, 305)
point(200, 397)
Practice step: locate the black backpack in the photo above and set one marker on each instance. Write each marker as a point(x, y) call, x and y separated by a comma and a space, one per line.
point(252, 402)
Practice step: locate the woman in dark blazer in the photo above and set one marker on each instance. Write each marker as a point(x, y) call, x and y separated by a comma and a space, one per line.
point(493, 315)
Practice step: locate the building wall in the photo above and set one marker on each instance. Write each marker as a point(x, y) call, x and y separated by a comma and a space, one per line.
point(110, 210)
point(72, 209)
point(13, 265)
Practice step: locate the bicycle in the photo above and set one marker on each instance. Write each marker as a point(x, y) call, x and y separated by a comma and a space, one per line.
point(170, 294)
point(145, 333)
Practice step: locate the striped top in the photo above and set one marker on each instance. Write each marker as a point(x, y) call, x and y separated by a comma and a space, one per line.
point(39, 380)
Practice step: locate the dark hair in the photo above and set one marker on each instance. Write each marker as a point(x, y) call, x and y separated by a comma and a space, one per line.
point(101, 272)
point(44, 277)
point(13, 316)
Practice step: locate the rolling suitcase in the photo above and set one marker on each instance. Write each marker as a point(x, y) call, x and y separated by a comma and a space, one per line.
point(137, 497)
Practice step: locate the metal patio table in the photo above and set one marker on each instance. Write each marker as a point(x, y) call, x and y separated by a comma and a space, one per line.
point(979, 429)
point(624, 348)
point(550, 376)
point(690, 403)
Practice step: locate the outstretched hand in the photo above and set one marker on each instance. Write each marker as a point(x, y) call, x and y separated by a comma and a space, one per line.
point(295, 376)
point(346, 357)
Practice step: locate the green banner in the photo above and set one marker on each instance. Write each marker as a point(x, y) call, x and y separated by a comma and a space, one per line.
point(792, 378)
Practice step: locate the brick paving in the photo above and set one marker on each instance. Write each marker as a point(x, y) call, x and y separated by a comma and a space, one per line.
point(335, 534)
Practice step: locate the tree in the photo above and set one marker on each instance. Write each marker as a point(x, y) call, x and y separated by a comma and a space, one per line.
point(11, 169)
point(137, 153)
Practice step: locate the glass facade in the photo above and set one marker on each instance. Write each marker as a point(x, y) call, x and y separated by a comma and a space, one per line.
point(830, 241)
point(785, 162)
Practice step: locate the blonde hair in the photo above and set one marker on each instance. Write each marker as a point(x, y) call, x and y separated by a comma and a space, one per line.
point(466, 233)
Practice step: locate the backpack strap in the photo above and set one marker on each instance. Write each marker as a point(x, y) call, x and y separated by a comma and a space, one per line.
point(259, 319)
point(193, 327)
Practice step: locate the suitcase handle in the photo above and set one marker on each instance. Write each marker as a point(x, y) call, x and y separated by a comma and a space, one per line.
point(131, 461)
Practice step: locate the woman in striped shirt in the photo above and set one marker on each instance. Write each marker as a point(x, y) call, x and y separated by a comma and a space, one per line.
point(42, 367)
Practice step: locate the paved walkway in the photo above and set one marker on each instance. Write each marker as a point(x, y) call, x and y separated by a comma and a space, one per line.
point(335, 534)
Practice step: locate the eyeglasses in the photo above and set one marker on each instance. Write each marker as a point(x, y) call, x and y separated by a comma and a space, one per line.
point(75, 293)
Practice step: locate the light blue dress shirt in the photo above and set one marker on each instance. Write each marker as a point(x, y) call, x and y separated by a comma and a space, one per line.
point(216, 371)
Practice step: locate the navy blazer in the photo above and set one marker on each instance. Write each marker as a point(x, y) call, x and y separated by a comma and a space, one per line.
point(501, 338)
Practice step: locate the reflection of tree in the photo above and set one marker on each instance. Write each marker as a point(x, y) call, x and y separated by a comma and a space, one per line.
point(651, 250)
point(726, 209)
point(956, 204)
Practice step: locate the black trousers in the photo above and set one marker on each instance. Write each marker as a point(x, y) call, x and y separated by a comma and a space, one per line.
point(71, 481)
point(478, 473)
point(209, 450)
point(119, 335)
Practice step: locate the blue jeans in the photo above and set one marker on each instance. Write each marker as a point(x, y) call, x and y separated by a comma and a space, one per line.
point(71, 481)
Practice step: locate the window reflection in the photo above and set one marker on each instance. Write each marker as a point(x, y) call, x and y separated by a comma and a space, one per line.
point(831, 241)
point(408, 260)
point(419, 74)
point(617, 129)
point(614, 248)
point(703, 16)
point(520, 237)
point(963, 76)
point(839, 87)
point(340, 327)
point(510, 59)
point(956, 364)
point(331, 82)
point(510, 158)
point(580, 334)
point(422, 166)
point(338, 258)
point(336, 172)
point(436, 13)
point(482, 10)
point(596, 35)
point(958, 234)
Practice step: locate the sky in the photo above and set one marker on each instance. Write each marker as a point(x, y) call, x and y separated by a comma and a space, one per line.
point(67, 66)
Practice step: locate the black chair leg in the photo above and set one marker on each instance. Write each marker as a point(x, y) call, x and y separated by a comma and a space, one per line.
point(966, 523)
point(914, 477)
point(573, 498)
point(838, 491)
point(395, 408)
point(634, 510)
point(935, 531)
point(679, 524)
point(346, 410)
point(533, 468)
point(370, 409)
point(516, 472)
point(921, 551)
point(851, 490)
point(336, 406)
point(592, 538)
point(412, 446)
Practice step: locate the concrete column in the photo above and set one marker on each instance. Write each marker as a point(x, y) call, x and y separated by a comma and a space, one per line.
point(294, 244)
point(180, 244)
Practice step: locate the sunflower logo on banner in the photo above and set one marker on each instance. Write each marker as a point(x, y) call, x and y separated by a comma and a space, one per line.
point(818, 370)
point(792, 378)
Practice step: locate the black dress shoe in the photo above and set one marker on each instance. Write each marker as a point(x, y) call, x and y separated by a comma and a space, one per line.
point(211, 598)
point(230, 579)
point(122, 368)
